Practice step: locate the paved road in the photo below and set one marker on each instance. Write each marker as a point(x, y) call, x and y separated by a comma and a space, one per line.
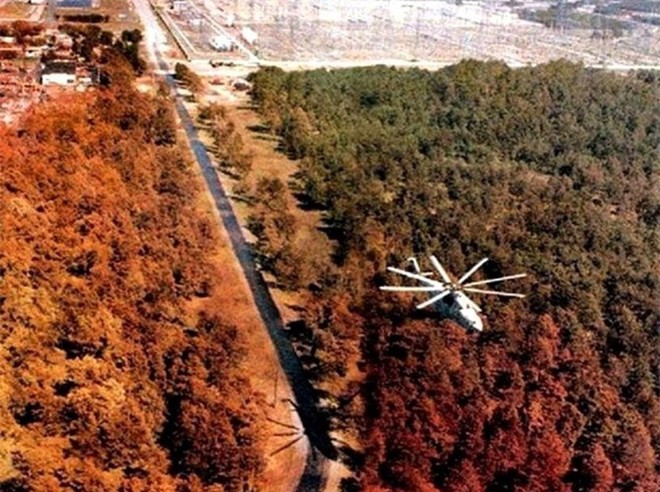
point(313, 422)
point(49, 13)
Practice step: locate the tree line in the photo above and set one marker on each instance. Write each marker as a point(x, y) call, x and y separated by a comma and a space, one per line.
point(110, 380)
point(552, 170)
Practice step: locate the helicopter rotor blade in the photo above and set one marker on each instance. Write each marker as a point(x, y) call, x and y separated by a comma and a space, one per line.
point(471, 271)
point(492, 280)
point(440, 269)
point(494, 292)
point(415, 276)
point(433, 299)
point(396, 288)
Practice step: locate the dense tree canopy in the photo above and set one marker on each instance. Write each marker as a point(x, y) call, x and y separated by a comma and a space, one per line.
point(552, 170)
point(109, 379)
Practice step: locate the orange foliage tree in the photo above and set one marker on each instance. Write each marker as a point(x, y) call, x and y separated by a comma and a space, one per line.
point(108, 380)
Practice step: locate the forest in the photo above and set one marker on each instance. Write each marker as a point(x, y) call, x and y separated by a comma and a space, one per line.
point(552, 170)
point(118, 369)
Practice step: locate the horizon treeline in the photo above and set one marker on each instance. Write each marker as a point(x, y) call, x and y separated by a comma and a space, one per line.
point(111, 375)
point(550, 170)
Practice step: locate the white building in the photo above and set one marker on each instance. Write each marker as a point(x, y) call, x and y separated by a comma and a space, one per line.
point(249, 35)
point(179, 6)
point(58, 73)
point(221, 43)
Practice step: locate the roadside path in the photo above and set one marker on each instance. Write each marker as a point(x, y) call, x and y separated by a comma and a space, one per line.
point(305, 400)
point(315, 427)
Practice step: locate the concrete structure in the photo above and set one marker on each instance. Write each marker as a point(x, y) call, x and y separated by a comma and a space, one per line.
point(221, 43)
point(179, 6)
point(59, 73)
point(249, 35)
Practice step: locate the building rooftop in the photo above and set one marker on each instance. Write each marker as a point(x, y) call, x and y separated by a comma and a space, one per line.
point(59, 67)
point(81, 4)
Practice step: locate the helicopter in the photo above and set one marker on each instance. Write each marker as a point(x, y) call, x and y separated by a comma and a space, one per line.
point(451, 298)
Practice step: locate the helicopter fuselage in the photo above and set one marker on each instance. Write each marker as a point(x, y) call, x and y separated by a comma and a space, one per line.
point(456, 306)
